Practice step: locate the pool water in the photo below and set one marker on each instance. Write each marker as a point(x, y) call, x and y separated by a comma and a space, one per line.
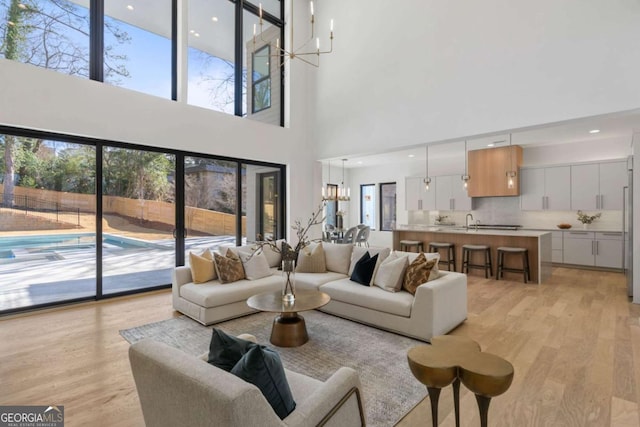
point(61, 242)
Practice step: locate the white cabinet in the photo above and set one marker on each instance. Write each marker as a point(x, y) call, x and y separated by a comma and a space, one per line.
point(545, 188)
point(450, 194)
point(599, 249)
point(417, 198)
point(598, 186)
point(608, 249)
point(556, 247)
point(579, 247)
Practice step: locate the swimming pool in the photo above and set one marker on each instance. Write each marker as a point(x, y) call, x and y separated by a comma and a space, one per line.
point(9, 246)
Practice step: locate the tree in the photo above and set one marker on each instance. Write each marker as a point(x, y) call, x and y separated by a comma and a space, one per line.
point(51, 34)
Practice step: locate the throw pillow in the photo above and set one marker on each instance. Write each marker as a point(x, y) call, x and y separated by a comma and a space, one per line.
point(311, 260)
point(391, 272)
point(417, 273)
point(435, 272)
point(261, 366)
point(202, 267)
point(229, 267)
point(273, 257)
point(358, 251)
point(255, 265)
point(363, 270)
point(337, 257)
point(226, 350)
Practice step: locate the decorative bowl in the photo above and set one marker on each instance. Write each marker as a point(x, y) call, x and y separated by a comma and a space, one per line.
point(564, 226)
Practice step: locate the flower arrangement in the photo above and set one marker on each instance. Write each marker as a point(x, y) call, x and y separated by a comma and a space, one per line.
point(587, 219)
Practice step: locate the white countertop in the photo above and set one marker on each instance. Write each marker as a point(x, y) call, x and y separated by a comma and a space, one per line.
point(462, 230)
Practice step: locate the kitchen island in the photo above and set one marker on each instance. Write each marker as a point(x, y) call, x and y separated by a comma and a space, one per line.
point(537, 242)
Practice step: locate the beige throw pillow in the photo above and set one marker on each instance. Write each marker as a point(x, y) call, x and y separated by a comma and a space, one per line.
point(229, 267)
point(202, 267)
point(338, 257)
point(311, 260)
point(391, 272)
point(417, 273)
point(255, 265)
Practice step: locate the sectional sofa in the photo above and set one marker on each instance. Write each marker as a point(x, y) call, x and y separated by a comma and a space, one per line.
point(437, 307)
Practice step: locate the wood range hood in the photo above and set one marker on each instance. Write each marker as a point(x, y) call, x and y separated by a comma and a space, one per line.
point(488, 171)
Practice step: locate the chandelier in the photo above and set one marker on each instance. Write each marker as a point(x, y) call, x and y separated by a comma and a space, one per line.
point(302, 52)
point(344, 193)
point(331, 194)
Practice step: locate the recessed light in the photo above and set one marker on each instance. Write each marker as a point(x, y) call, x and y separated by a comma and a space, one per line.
point(594, 131)
point(491, 144)
point(412, 155)
point(130, 7)
point(192, 31)
point(196, 34)
point(214, 18)
point(360, 162)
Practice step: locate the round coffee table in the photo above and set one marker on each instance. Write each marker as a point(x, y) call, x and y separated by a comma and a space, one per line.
point(289, 329)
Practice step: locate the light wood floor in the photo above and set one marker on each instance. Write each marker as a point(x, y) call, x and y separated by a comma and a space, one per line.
point(574, 343)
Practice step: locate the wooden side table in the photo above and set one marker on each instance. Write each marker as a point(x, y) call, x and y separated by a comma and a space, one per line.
point(452, 359)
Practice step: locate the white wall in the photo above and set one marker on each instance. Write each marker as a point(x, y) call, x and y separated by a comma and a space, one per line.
point(42, 99)
point(415, 71)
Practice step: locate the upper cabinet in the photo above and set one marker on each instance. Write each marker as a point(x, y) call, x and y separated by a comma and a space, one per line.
point(417, 198)
point(598, 186)
point(450, 194)
point(545, 188)
point(488, 170)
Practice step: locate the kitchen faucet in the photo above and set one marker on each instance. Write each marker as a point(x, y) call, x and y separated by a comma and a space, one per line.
point(466, 220)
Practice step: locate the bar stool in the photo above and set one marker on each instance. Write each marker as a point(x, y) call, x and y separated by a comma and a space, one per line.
point(487, 267)
point(406, 245)
point(502, 250)
point(451, 253)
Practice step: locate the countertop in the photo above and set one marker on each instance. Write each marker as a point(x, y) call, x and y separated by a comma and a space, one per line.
point(463, 230)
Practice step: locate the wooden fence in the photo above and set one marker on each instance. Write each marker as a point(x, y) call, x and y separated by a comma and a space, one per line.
point(196, 219)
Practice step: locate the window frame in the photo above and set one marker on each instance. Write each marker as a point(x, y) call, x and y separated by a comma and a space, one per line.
point(362, 187)
point(393, 209)
point(254, 82)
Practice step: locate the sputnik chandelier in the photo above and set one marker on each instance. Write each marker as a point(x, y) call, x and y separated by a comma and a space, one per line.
point(302, 52)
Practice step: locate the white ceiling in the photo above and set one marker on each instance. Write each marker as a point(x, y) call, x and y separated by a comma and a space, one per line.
point(615, 126)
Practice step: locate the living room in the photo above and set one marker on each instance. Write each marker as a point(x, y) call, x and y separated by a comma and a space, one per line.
point(460, 72)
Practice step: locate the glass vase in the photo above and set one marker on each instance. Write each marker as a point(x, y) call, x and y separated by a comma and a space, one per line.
point(289, 281)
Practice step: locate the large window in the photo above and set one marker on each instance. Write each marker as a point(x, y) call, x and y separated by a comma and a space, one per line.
point(137, 48)
point(52, 34)
point(47, 221)
point(211, 55)
point(59, 242)
point(368, 205)
point(137, 39)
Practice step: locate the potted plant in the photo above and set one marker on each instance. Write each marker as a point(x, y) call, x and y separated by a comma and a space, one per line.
point(587, 219)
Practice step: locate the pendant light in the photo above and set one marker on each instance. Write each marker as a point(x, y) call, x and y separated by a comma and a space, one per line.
point(328, 191)
point(427, 179)
point(344, 194)
point(511, 173)
point(465, 178)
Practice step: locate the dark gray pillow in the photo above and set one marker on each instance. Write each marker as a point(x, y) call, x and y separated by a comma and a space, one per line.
point(261, 366)
point(225, 350)
point(363, 271)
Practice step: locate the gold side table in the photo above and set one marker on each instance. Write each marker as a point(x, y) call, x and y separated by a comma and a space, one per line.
point(454, 359)
point(289, 328)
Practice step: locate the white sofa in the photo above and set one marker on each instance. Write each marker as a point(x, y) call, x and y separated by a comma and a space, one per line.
point(437, 307)
point(177, 389)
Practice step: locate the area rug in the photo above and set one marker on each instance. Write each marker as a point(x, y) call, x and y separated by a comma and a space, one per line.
point(379, 357)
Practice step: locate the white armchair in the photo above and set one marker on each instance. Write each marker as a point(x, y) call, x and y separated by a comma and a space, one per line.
point(179, 389)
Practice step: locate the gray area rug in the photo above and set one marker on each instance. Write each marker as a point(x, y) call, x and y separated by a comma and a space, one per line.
point(379, 357)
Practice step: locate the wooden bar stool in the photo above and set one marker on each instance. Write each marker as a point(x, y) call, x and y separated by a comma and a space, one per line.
point(487, 266)
point(408, 245)
point(451, 253)
point(502, 250)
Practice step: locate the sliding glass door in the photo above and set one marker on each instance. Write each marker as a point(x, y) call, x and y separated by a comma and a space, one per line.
point(47, 221)
point(138, 219)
